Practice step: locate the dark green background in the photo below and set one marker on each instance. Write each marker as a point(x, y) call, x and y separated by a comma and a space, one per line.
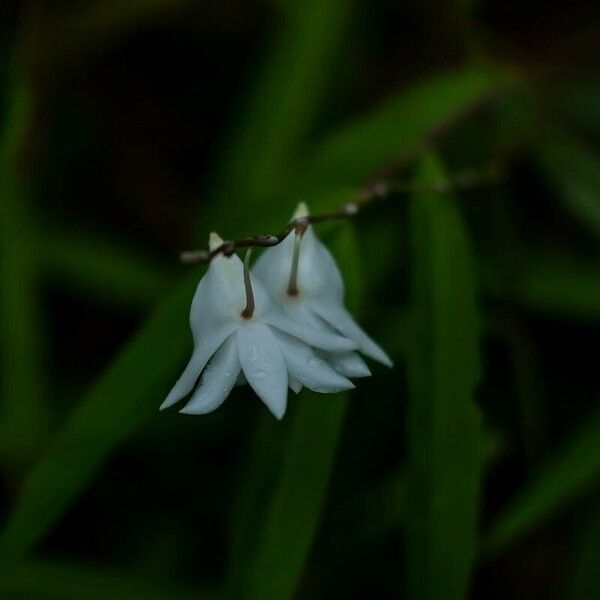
point(129, 130)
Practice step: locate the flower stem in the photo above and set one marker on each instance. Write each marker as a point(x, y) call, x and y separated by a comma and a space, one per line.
point(299, 229)
point(249, 309)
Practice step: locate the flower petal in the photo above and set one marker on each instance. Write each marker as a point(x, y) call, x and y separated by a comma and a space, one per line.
point(340, 318)
point(349, 364)
point(310, 370)
point(218, 379)
point(263, 365)
point(294, 384)
point(324, 340)
point(207, 343)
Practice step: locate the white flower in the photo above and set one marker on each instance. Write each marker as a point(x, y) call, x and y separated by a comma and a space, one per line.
point(267, 347)
point(317, 298)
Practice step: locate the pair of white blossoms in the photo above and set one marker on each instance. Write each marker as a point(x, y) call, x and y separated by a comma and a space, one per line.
point(301, 339)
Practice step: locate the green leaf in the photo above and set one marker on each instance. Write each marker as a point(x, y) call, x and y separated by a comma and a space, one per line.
point(78, 582)
point(293, 514)
point(383, 509)
point(86, 29)
point(572, 471)
point(281, 112)
point(444, 425)
point(129, 392)
point(553, 286)
point(24, 419)
point(579, 102)
point(101, 269)
point(574, 171)
point(586, 581)
point(397, 129)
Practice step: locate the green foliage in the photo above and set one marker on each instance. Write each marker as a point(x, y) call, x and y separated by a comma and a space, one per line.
point(550, 286)
point(586, 580)
point(23, 413)
point(573, 170)
point(121, 400)
point(100, 269)
point(399, 128)
point(567, 475)
point(41, 581)
point(444, 425)
point(293, 513)
point(277, 119)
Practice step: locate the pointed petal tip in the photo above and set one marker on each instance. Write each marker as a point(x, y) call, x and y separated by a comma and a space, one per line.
point(386, 361)
point(361, 373)
point(186, 410)
point(168, 403)
point(279, 416)
point(214, 241)
point(382, 358)
point(301, 211)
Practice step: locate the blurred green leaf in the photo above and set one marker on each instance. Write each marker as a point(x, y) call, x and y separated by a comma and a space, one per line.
point(46, 581)
point(88, 28)
point(281, 111)
point(572, 470)
point(396, 130)
point(528, 381)
point(444, 425)
point(380, 511)
point(24, 417)
point(586, 580)
point(295, 509)
point(122, 398)
point(579, 102)
point(101, 268)
point(387, 505)
point(553, 286)
point(257, 480)
point(574, 171)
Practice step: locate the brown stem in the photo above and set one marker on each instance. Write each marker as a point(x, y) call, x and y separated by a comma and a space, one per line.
point(249, 309)
point(299, 231)
point(377, 190)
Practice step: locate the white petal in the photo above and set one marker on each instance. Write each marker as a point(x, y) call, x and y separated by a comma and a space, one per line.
point(214, 241)
point(263, 365)
point(301, 211)
point(217, 381)
point(349, 364)
point(206, 344)
point(311, 371)
point(294, 384)
point(340, 318)
point(318, 274)
point(273, 267)
point(322, 339)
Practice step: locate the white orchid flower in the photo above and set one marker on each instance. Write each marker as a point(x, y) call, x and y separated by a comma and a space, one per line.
point(238, 330)
point(302, 275)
